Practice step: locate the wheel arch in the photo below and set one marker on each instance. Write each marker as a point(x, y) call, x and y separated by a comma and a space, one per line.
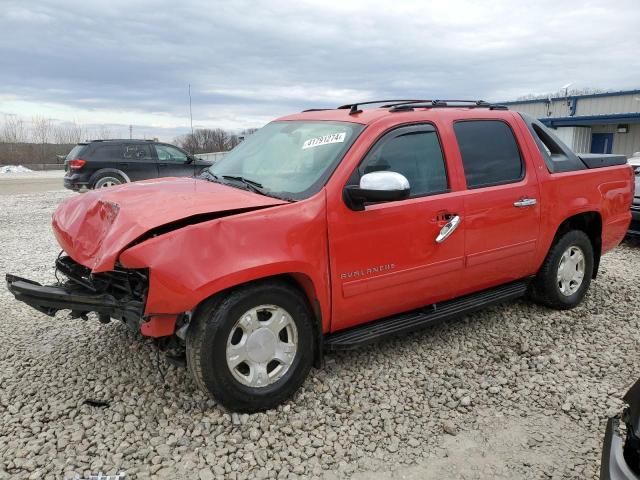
point(98, 173)
point(297, 280)
point(590, 223)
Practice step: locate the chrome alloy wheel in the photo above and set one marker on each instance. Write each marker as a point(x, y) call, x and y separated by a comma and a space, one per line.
point(571, 270)
point(262, 346)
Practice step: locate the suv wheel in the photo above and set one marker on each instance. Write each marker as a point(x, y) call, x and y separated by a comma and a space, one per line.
point(108, 180)
point(565, 276)
point(253, 348)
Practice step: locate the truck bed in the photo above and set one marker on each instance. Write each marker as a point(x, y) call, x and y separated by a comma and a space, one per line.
point(599, 160)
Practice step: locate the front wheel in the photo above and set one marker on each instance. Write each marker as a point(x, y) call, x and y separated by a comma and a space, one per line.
point(565, 276)
point(253, 348)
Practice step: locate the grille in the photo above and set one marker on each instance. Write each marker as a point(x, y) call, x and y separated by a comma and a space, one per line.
point(122, 283)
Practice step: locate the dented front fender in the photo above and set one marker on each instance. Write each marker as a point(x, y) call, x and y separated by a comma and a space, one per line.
point(188, 265)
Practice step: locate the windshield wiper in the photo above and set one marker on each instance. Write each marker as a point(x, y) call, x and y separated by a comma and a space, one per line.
point(212, 177)
point(250, 184)
point(246, 181)
point(207, 175)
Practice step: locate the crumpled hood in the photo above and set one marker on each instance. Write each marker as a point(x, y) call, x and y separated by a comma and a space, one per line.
point(93, 228)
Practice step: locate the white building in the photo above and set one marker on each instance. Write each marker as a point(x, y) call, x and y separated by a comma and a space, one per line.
point(597, 123)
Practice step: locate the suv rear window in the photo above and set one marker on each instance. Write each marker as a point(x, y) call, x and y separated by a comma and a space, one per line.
point(490, 154)
point(76, 152)
point(107, 152)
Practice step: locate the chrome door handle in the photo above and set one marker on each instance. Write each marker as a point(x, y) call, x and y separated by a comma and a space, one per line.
point(448, 229)
point(525, 202)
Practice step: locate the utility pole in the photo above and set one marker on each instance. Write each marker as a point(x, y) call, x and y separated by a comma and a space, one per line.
point(190, 112)
point(130, 132)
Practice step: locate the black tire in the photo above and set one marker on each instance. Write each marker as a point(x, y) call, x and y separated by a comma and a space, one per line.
point(108, 179)
point(211, 328)
point(545, 287)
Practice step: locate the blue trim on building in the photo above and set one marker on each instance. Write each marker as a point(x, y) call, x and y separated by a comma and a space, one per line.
point(590, 95)
point(587, 120)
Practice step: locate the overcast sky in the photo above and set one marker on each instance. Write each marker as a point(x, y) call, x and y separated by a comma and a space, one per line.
point(127, 62)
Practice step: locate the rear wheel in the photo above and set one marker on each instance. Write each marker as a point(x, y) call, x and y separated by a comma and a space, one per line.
point(253, 348)
point(565, 276)
point(108, 180)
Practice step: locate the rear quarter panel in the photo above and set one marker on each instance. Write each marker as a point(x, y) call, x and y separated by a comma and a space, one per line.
point(607, 191)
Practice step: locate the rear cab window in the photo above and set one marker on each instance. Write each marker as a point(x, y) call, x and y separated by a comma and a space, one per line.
point(490, 153)
point(557, 156)
point(137, 152)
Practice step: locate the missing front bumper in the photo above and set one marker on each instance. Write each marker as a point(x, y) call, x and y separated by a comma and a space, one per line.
point(49, 299)
point(119, 294)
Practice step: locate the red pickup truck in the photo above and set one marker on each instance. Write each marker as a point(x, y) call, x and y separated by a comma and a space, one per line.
point(331, 228)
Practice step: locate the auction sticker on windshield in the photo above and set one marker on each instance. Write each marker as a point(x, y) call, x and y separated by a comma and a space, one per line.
point(324, 140)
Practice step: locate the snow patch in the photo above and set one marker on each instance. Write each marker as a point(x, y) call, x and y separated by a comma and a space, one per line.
point(7, 169)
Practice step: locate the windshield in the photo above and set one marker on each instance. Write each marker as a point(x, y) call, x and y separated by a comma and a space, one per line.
point(289, 159)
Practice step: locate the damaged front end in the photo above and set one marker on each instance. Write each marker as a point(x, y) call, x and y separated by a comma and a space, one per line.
point(119, 294)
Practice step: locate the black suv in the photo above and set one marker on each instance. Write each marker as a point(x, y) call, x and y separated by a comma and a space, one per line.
point(103, 163)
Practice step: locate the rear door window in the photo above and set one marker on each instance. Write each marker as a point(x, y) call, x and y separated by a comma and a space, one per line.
point(490, 153)
point(137, 152)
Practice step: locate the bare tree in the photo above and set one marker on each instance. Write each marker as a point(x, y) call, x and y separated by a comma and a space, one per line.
point(67, 134)
point(60, 134)
point(41, 129)
point(248, 131)
point(104, 132)
point(234, 140)
point(206, 140)
point(13, 130)
point(218, 139)
point(187, 142)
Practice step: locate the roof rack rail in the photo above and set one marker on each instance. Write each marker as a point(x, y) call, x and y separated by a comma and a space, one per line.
point(405, 106)
point(440, 102)
point(130, 140)
point(353, 107)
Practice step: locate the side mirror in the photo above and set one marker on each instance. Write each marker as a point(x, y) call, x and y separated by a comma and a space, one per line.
point(377, 187)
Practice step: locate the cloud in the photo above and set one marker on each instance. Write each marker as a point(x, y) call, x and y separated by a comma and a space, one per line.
point(126, 62)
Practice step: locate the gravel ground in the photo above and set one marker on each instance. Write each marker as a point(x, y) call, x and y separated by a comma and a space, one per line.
point(515, 391)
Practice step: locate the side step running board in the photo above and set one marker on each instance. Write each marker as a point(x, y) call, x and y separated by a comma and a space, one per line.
point(417, 319)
